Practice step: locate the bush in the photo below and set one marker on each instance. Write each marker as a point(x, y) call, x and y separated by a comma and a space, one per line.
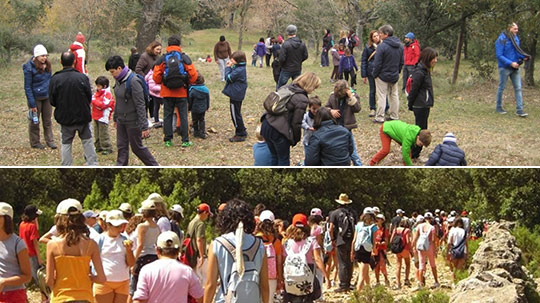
point(378, 294)
point(529, 243)
point(425, 296)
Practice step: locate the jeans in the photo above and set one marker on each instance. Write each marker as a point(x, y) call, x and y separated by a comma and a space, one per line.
point(199, 125)
point(515, 76)
point(345, 268)
point(168, 111)
point(279, 145)
point(222, 63)
point(284, 77)
point(324, 58)
point(372, 91)
point(355, 158)
point(131, 136)
point(85, 133)
point(236, 116)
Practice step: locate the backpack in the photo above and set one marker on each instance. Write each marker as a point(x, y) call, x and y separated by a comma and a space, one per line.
point(242, 288)
point(354, 40)
point(175, 75)
point(297, 274)
point(398, 244)
point(176, 229)
point(187, 252)
point(458, 251)
point(276, 102)
point(423, 240)
point(408, 86)
point(346, 224)
point(327, 241)
point(271, 259)
point(146, 90)
point(364, 237)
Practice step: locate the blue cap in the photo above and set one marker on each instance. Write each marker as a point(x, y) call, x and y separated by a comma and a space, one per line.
point(90, 214)
point(410, 36)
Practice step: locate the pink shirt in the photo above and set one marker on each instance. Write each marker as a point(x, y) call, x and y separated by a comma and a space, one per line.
point(167, 281)
point(297, 247)
point(316, 230)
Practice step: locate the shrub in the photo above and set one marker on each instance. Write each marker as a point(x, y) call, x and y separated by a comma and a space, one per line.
point(529, 243)
point(425, 296)
point(378, 294)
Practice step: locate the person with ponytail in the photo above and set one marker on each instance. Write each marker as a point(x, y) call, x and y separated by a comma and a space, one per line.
point(237, 267)
point(69, 256)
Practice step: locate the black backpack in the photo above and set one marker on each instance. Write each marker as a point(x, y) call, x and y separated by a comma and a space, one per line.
point(346, 224)
point(458, 251)
point(175, 75)
point(397, 246)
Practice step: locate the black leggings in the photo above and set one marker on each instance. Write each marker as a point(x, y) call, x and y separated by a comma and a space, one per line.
point(421, 116)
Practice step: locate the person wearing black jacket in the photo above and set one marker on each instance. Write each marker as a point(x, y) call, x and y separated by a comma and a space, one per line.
point(365, 68)
point(330, 144)
point(328, 42)
point(420, 98)
point(292, 54)
point(386, 68)
point(70, 94)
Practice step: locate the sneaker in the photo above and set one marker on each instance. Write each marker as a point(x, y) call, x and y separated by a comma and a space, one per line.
point(157, 125)
point(377, 121)
point(501, 111)
point(52, 145)
point(522, 114)
point(237, 139)
point(372, 113)
point(339, 290)
point(407, 283)
point(187, 144)
point(39, 146)
point(436, 285)
point(106, 152)
point(203, 135)
point(168, 143)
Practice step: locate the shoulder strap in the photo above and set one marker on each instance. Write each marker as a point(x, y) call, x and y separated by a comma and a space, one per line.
point(228, 246)
point(462, 240)
point(252, 251)
point(17, 240)
point(128, 83)
point(307, 245)
point(100, 242)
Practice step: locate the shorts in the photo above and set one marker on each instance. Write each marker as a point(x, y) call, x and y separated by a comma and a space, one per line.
point(363, 256)
point(14, 296)
point(427, 255)
point(404, 254)
point(121, 288)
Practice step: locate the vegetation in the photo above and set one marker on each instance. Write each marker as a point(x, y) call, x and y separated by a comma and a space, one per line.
point(377, 294)
point(528, 240)
point(464, 273)
point(426, 296)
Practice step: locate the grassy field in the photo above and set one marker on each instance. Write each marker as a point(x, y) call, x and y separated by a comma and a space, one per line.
point(467, 110)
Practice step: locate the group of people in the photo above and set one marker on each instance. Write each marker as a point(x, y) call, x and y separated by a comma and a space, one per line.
point(120, 255)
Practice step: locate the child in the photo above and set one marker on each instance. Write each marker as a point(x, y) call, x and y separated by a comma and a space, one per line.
point(208, 59)
point(102, 109)
point(254, 56)
point(448, 153)
point(335, 60)
point(314, 104)
point(261, 51)
point(235, 89)
point(261, 153)
point(347, 66)
point(199, 103)
point(407, 135)
point(133, 58)
point(276, 68)
point(154, 91)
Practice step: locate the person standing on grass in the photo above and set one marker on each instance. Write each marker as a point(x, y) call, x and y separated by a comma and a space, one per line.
point(196, 232)
point(77, 48)
point(235, 88)
point(458, 247)
point(421, 98)
point(71, 95)
point(37, 75)
point(387, 64)
point(293, 53)
point(366, 68)
point(509, 58)
point(143, 66)
point(411, 54)
point(261, 51)
point(28, 231)
point(175, 97)
point(102, 109)
point(335, 62)
point(348, 67)
point(154, 90)
point(129, 114)
point(199, 104)
point(403, 230)
point(222, 53)
point(328, 42)
point(15, 269)
point(133, 58)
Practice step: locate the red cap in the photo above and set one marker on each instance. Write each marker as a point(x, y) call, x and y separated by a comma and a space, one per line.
point(203, 207)
point(299, 220)
point(80, 38)
point(464, 213)
point(221, 207)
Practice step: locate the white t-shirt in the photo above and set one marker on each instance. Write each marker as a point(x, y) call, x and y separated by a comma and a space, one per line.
point(94, 235)
point(133, 237)
point(456, 234)
point(164, 224)
point(113, 257)
point(466, 224)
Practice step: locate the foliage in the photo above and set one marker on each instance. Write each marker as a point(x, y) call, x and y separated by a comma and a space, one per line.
point(377, 294)
point(472, 248)
point(425, 296)
point(528, 240)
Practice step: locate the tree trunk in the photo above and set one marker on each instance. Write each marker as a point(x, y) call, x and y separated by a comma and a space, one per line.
point(231, 20)
point(360, 34)
point(149, 24)
point(466, 45)
point(529, 65)
point(243, 12)
point(458, 50)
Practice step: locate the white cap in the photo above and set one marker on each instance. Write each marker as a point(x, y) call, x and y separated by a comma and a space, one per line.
point(367, 210)
point(451, 219)
point(115, 218)
point(376, 209)
point(419, 218)
point(437, 211)
point(453, 213)
point(267, 215)
point(40, 50)
point(6, 210)
point(147, 205)
point(103, 215)
point(168, 239)
point(155, 197)
point(381, 216)
point(428, 215)
point(177, 208)
point(126, 207)
point(64, 207)
point(399, 211)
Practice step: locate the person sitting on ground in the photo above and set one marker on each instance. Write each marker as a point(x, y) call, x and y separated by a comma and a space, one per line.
point(448, 153)
point(406, 135)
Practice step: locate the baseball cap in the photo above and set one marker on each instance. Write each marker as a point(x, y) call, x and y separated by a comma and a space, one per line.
point(32, 211)
point(203, 207)
point(69, 207)
point(316, 212)
point(299, 220)
point(147, 205)
point(221, 207)
point(464, 213)
point(437, 211)
point(428, 215)
point(103, 215)
point(419, 218)
point(368, 210)
point(155, 197)
point(177, 208)
point(381, 216)
point(451, 219)
point(6, 209)
point(376, 209)
point(399, 211)
point(126, 207)
point(90, 214)
point(168, 239)
point(116, 218)
point(267, 215)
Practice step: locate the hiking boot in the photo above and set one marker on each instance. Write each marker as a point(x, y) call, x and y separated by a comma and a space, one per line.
point(372, 113)
point(237, 139)
point(187, 144)
point(501, 111)
point(157, 125)
point(377, 121)
point(168, 143)
point(39, 146)
point(52, 145)
point(203, 135)
point(521, 114)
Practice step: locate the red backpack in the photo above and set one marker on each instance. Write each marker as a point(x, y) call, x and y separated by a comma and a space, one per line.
point(187, 252)
point(408, 87)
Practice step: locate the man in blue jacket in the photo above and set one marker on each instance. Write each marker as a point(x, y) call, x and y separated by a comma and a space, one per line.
point(509, 58)
point(387, 66)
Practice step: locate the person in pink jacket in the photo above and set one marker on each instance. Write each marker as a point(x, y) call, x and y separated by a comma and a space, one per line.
point(155, 89)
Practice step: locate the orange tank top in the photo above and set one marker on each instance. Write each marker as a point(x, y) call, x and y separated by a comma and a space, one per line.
point(72, 281)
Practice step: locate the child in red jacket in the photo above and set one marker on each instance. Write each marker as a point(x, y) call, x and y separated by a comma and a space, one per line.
point(102, 108)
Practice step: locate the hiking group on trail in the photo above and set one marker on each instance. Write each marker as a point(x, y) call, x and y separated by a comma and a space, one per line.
point(171, 79)
point(122, 255)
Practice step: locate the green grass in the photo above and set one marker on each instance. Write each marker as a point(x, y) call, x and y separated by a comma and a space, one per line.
point(467, 110)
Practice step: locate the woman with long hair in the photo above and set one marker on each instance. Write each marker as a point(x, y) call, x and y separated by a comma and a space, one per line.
point(37, 75)
point(362, 252)
point(368, 56)
point(381, 244)
point(69, 256)
point(458, 247)
point(266, 231)
point(145, 63)
point(404, 232)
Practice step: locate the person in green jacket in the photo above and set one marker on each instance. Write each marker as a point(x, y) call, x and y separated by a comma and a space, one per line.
point(407, 135)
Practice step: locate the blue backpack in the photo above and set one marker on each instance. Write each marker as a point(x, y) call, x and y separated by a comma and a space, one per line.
point(175, 75)
point(146, 90)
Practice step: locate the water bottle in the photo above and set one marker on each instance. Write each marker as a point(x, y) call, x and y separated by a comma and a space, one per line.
point(35, 119)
